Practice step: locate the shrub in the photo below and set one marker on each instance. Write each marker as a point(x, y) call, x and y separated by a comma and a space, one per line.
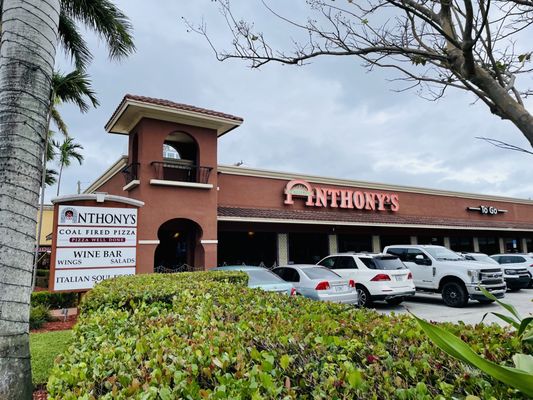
point(193, 336)
point(39, 314)
point(43, 272)
point(150, 288)
point(54, 300)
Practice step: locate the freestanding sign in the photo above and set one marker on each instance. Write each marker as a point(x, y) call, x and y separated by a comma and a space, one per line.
point(93, 241)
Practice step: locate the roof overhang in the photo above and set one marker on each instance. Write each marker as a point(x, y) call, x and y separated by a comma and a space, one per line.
point(131, 111)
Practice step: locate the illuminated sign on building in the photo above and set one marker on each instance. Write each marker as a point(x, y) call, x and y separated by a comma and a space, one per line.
point(317, 196)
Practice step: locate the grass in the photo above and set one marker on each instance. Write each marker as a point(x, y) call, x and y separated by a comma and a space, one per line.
point(44, 349)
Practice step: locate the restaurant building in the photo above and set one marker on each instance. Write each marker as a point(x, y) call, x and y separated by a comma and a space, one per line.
point(201, 214)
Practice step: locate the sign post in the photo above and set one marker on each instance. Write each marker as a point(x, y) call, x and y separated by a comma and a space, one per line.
point(94, 238)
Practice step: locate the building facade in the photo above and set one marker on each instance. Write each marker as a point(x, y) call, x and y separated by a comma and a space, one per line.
point(201, 214)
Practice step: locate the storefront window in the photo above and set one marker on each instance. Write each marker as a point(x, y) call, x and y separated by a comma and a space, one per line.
point(249, 248)
point(436, 240)
point(462, 243)
point(357, 243)
point(489, 245)
point(513, 245)
point(389, 240)
point(307, 248)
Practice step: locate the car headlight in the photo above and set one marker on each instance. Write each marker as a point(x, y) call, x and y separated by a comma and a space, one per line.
point(474, 275)
point(510, 272)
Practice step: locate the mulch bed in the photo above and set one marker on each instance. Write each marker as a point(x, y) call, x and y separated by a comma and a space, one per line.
point(57, 325)
point(40, 394)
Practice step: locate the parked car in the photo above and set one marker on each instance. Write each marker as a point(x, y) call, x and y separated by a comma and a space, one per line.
point(319, 283)
point(377, 276)
point(517, 269)
point(259, 277)
point(439, 270)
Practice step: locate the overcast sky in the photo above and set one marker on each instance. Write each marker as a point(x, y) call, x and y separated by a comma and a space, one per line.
point(330, 118)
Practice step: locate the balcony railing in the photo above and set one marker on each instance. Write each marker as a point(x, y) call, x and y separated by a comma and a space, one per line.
point(169, 171)
point(131, 172)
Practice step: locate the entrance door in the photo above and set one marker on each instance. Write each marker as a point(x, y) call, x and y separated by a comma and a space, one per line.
point(177, 240)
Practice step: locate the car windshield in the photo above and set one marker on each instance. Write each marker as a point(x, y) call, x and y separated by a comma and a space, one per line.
point(484, 258)
point(262, 276)
point(442, 253)
point(320, 273)
point(383, 262)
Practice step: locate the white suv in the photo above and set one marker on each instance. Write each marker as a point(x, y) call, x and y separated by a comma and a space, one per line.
point(439, 270)
point(377, 276)
point(517, 269)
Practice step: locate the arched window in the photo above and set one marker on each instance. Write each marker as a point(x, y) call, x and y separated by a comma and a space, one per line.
point(180, 146)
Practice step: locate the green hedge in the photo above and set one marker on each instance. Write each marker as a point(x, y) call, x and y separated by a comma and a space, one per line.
point(39, 314)
point(193, 336)
point(43, 272)
point(150, 288)
point(54, 300)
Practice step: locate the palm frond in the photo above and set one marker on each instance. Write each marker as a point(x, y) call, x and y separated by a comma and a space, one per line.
point(74, 87)
point(72, 42)
point(51, 177)
point(58, 121)
point(106, 20)
point(50, 149)
point(68, 150)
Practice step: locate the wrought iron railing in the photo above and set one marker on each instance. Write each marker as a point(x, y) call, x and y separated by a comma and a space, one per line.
point(181, 172)
point(178, 268)
point(131, 172)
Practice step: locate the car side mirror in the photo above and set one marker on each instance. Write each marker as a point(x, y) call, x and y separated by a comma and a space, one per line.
point(420, 260)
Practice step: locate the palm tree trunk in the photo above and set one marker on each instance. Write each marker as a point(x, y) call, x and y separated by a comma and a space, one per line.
point(41, 205)
point(29, 37)
point(59, 178)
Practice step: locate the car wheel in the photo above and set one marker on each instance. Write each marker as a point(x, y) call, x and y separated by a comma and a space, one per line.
point(454, 294)
point(363, 296)
point(395, 301)
point(486, 301)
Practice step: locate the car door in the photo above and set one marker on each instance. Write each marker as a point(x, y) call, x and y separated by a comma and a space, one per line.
point(422, 274)
point(346, 267)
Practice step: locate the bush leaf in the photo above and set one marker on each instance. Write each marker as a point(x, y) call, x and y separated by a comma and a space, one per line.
point(455, 347)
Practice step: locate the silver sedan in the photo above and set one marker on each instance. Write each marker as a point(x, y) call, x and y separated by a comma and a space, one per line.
point(318, 283)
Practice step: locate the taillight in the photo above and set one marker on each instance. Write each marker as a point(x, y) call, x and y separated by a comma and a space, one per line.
point(380, 277)
point(531, 265)
point(322, 286)
point(410, 275)
point(351, 283)
point(293, 292)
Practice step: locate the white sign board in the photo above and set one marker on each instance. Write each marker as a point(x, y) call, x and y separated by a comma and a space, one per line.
point(95, 257)
point(93, 244)
point(68, 236)
point(97, 216)
point(86, 278)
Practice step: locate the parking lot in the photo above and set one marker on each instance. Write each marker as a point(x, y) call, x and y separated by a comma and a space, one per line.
point(431, 307)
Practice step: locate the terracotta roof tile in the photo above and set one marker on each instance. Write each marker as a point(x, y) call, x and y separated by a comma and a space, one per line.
point(177, 106)
point(362, 217)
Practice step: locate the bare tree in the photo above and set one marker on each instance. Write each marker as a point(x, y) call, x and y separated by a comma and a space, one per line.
point(473, 45)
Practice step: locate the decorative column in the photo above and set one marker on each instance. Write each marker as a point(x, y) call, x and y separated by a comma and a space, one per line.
point(376, 244)
point(447, 242)
point(476, 244)
point(414, 240)
point(283, 248)
point(524, 245)
point(333, 245)
point(502, 245)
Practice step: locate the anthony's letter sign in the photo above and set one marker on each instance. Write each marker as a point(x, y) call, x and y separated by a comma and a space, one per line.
point(93, 244)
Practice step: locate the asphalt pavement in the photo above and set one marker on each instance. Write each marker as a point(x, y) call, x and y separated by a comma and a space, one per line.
point(431, 307)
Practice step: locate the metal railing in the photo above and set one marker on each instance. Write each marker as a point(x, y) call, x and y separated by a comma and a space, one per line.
point(178, 268)
point(181, 172)
point(131, 172)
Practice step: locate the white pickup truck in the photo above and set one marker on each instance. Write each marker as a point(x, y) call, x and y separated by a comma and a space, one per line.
point(439, 270)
